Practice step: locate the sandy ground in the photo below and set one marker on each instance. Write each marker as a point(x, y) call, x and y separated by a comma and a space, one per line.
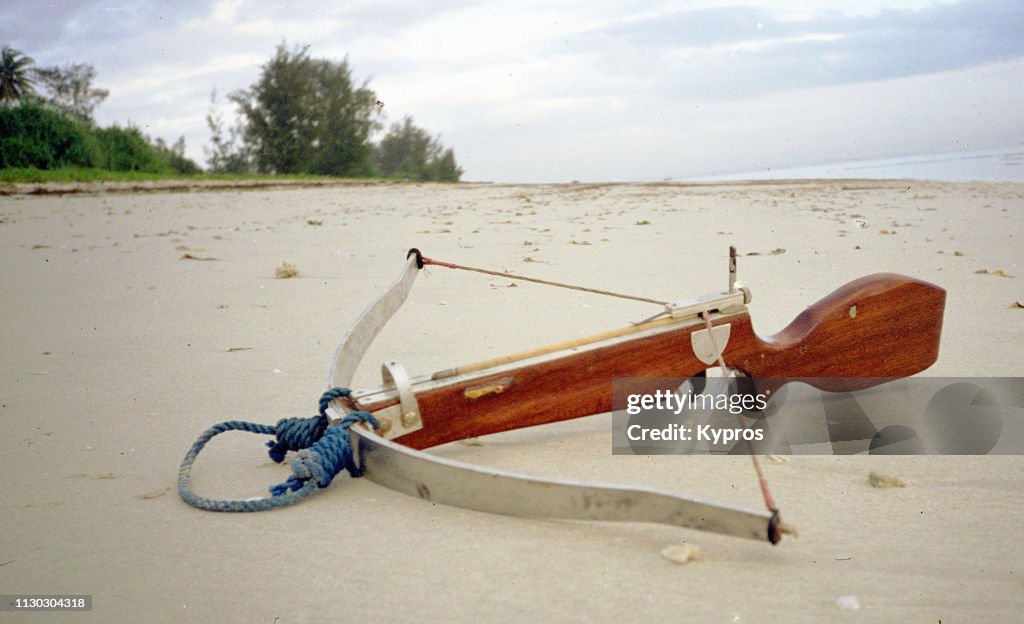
point(132, 321)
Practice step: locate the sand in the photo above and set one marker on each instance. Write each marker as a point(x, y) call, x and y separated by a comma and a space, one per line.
point(132, 321)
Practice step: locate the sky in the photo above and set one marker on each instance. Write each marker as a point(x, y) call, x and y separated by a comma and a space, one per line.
point(589, 91)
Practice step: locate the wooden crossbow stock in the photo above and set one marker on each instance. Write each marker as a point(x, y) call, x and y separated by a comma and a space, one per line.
point(873, 329)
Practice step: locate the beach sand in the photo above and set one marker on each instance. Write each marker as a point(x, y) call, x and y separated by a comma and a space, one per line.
point(131, 321)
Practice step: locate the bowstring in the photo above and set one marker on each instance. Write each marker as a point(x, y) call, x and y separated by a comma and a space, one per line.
point(769, 500)
point(535, 280)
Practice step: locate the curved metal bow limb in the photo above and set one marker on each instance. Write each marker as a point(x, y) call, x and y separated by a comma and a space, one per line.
point(358, 338)
point(441, 480)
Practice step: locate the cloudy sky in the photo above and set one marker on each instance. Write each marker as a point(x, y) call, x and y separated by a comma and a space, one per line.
point(589, 90)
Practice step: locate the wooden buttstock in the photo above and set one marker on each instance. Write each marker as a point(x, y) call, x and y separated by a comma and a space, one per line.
point(877, 327)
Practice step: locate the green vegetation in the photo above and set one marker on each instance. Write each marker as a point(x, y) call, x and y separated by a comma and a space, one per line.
point(31, 136)
point(302, 117)
point(409, 152)
point(41, 138)
point(15, 81)
point(17, 175)
point(305, 115)
point(55, 131)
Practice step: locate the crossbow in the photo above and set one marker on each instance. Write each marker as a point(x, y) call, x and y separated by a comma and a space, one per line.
point(874, 329)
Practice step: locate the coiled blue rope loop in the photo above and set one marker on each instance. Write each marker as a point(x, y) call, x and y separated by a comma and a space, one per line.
point(322, 453)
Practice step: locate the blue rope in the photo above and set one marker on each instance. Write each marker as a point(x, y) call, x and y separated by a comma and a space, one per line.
point(322, 453)
point(295, 434)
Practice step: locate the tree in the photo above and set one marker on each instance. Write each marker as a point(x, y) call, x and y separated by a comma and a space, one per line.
point(173, 156)
point(226, 153)
point(15, 82)
point(409, 152)
point(403, 152)
point(342, 145)
point(70, 89)
point(446, 169)
point(305, 115)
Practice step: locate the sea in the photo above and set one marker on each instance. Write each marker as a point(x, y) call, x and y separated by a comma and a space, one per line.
point(993, 165)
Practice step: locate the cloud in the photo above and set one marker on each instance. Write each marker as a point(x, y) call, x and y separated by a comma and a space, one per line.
point(743, 52)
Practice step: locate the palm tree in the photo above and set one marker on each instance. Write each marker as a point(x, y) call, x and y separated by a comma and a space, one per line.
point(15, 82)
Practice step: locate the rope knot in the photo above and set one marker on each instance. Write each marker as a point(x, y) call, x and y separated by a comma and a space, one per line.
point(295, 434)
point(321, 462)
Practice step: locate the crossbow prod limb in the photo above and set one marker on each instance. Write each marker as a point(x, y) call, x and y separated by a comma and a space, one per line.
point(873, 329)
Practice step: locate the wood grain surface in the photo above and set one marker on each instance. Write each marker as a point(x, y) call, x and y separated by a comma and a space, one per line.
point(871, 330)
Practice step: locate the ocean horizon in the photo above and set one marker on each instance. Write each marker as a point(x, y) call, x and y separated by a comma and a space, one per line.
point(992, 165)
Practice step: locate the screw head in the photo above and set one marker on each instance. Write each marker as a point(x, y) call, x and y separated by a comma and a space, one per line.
point(410, 419)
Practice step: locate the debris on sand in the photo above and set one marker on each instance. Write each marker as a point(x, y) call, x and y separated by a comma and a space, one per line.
point(882, 480)
point(286, 270)
point(681, 553)
point(998, 272)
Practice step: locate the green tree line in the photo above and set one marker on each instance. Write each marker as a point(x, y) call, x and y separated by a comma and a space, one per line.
point(307, 115)
point(302, 116)
point(55, 128)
